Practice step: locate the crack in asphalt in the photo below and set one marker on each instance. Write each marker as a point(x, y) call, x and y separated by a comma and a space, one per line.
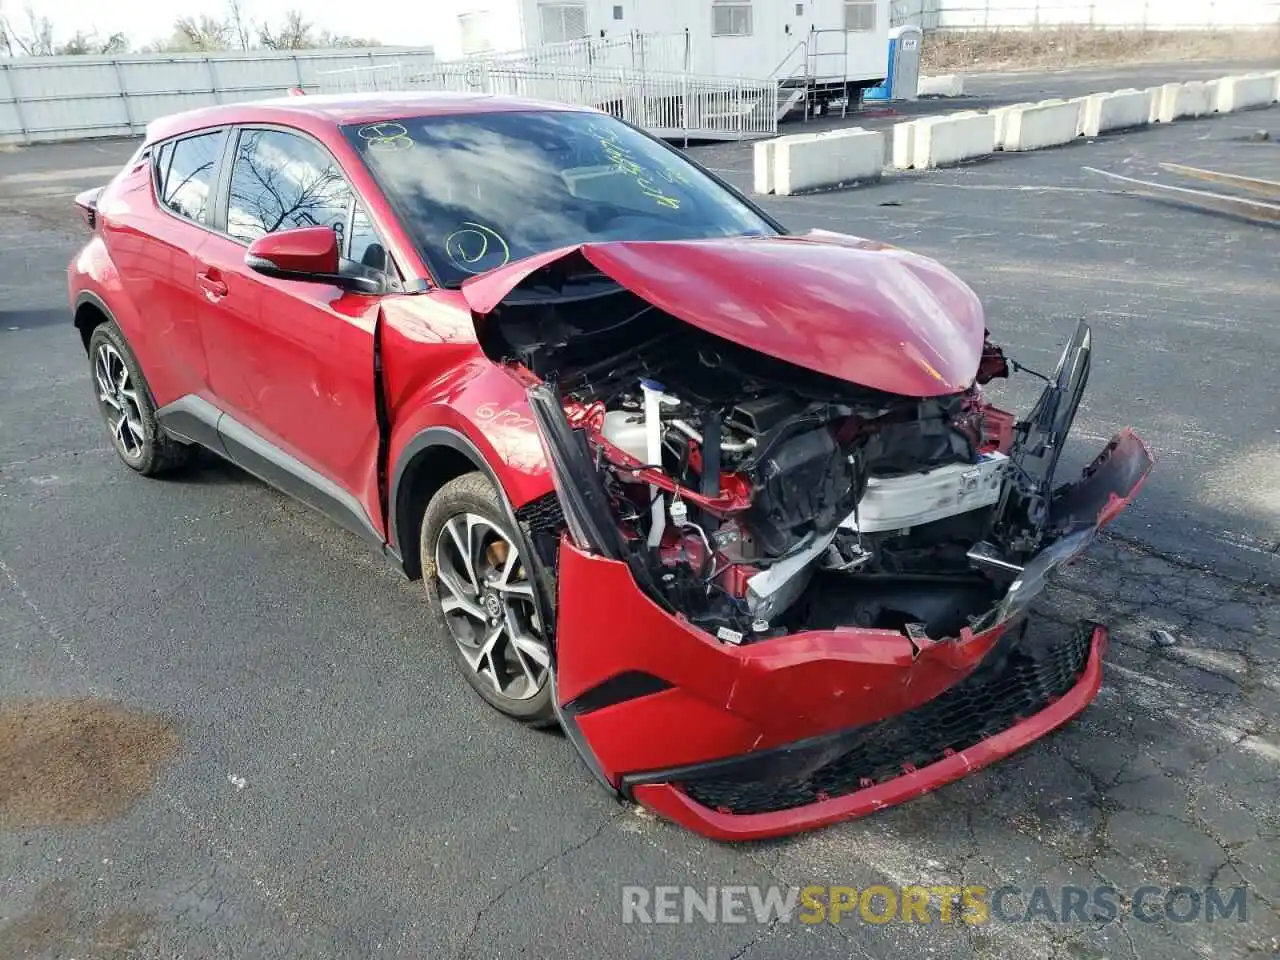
point(763, 935)
point(529, 874)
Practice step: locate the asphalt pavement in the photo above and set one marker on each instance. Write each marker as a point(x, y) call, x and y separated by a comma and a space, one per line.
point(306, 776)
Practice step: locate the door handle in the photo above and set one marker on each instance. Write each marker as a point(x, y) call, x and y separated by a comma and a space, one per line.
point(214, 289)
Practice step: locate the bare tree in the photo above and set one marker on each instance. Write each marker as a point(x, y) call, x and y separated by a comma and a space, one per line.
point(293, 34)
point(327, 39)
point(6, 33)
point(34, 39)
point(241, 25)
point(198, 34)
point(82, 43)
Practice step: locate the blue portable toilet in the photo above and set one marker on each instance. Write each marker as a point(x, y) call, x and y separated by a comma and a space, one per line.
point(903, 73)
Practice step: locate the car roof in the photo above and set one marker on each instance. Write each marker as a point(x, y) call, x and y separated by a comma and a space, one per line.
point(316, 113)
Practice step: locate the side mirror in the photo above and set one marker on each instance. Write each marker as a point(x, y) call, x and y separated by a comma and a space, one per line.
point(308, 254)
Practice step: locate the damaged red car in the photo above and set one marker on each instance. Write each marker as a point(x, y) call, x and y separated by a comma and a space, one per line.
point(726, 503)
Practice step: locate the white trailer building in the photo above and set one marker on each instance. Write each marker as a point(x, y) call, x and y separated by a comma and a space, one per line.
point(829, 47)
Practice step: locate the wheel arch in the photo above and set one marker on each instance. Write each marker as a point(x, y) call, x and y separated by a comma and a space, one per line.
point(428, 461)
point(431, 459)
point(90, 313)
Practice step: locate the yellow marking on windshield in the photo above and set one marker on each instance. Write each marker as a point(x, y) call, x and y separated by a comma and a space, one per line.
point(468, 248)
point(624, 163)
point(387, 136)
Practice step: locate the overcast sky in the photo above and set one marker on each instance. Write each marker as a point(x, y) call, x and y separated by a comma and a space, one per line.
point(398, 21)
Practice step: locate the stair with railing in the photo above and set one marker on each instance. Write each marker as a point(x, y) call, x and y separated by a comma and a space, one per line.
point(814, 73)
point(643, 78)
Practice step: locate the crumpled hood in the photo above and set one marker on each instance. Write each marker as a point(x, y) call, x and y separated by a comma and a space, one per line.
point(850, 308)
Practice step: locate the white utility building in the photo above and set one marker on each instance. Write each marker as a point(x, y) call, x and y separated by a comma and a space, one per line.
point(830, 46)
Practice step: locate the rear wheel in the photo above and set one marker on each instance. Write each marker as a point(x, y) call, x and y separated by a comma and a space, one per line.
point(482, 586)
point(125, 403)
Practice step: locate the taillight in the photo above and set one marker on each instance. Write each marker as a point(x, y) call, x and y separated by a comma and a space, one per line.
point(88, 204)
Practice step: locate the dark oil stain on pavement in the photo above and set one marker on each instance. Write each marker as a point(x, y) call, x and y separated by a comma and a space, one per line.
point(53, 927)
point(76, 761)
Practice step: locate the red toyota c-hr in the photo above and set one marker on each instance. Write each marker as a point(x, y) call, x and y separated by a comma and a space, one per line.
point(726, 503)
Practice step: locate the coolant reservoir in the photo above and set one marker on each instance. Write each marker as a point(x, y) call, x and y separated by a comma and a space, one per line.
point(625, 429)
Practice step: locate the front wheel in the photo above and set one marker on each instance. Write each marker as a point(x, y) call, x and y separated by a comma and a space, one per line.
point(482, 588)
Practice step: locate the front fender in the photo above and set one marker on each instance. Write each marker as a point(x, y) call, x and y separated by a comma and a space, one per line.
point(442, 393)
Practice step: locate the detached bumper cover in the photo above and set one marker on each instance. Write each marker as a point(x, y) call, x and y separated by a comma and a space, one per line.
point(1025, 689)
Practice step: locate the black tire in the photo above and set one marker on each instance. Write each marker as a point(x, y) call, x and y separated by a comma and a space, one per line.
point(473, 496)
point(138, 439)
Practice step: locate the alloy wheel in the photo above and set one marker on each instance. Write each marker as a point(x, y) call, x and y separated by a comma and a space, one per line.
point(487, 597)
point(118, 398)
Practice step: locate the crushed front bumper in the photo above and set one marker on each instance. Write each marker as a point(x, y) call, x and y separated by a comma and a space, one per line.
point(1023, 690)
point(799, 731)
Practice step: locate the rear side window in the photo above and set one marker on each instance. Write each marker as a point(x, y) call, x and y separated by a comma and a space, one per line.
point(280, 181)
point(185, 174)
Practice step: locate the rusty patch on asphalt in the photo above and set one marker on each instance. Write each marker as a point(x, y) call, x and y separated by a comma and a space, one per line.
point(53, 925)
point(77, 761)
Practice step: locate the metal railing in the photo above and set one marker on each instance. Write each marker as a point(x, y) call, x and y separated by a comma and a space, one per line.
point(788, 68)
point(363, 79)
point(663, 52)
point(831, 63)
point(1103, 14)
point(670, 103)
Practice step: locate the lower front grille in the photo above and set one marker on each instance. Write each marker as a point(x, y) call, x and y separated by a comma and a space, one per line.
point(1021, 677)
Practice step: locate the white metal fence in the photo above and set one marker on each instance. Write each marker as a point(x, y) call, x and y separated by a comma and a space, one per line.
point(1107, 14)
point(643, 78)
point(635, 51)
point(668, 104)
point(69, 98)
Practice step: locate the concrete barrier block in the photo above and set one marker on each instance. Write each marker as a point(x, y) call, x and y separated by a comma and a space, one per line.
point(862, 156)
point(1211, 95)
point(1275, 77)
point(1001, 114)
point(1047, 124)
point(941, 141)
point(1153, 104)
point(1179, 100)
point(1083, 103)
point(763, 157)
point(950, 85)
point(1120, 110)
point(1241, 93)
point(1166, 103)
point(1193, 101)
point(904, 145)
point(810, 162)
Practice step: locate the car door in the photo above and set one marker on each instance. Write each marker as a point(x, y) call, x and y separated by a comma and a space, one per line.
point(154, 241)
point(291, 362)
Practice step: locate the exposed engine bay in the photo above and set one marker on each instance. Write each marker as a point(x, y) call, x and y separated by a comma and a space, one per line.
point(757, 498)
